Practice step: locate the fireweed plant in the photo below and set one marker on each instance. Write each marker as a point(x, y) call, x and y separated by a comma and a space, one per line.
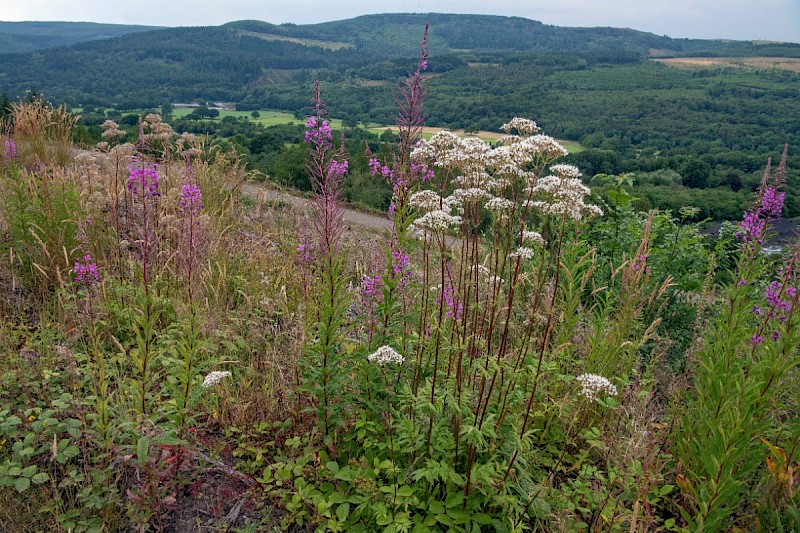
point(732, 416)
point(143, 188)
point(388, 290)
point(325, 369)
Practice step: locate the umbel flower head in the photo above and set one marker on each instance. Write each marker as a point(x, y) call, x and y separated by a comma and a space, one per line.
point(212, 378)
point(595, 385)
point(384, 355)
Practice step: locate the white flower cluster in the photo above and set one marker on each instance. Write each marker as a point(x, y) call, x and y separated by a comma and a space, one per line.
point(524, 126)
point(491, 175)
point(534, 237)
point(565, 171)
point(112, 131)
point(486, 275)
point(594, 385)
point(158, 129)
point(499, 204)
point(212, 378)
point(564, 194)
point(436, 221)
point(425, 200)
point(385, 354)
point(523, 253)
point(471, 194)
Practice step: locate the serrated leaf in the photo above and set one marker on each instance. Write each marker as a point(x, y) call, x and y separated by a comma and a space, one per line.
point(455, 499)
point(405, 491)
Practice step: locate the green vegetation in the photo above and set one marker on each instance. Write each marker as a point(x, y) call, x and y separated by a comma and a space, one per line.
point(16, 37)
point(177, 354)
point(596, 87)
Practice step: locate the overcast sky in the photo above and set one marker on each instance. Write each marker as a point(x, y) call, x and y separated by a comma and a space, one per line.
point(725, 19)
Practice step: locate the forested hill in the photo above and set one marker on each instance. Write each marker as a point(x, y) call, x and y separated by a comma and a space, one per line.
point(227, 62)
point(18, 37)
point(458, 33)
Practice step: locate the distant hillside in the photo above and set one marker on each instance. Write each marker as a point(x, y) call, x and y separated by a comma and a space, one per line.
point(16, 37)
point(232, 61)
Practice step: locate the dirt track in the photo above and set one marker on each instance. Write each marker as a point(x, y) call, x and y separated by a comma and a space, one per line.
point(351, 216)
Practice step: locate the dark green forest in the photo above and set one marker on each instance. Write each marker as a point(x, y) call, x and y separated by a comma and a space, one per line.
point(683, 137)
point(18, 37)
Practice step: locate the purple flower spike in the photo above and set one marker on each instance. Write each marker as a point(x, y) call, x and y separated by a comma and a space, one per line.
point(144, 182)
point(372, 289)
point(191, 198)
point(86, 273)
point(10, 150)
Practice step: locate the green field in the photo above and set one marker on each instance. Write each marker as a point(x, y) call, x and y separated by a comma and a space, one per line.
point(271, 117)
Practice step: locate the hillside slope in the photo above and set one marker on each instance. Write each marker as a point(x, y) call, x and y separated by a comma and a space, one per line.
point(18, 37)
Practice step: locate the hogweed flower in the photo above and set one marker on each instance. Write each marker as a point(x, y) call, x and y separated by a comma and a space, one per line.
point(384, 355)
point(533, 237)
point(523, 252)
point(436, 221)
point(594, 385)
point(212, 378)
point(112, 132)
point(425, 200)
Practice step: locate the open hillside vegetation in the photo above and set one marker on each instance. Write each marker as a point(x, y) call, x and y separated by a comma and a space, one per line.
point(515, 346)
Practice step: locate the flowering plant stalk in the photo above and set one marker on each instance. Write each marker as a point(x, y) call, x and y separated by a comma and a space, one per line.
point(404, 176)
point(324, 367)
point(143, 186)
point(189, 257)
point(742, 366)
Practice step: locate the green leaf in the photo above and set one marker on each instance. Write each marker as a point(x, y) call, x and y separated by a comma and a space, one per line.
point(436, 507)
point(29, 471)
point(405, 491)
point(22, 484)
point(69, 452)
point(455, 499)
point(482, 518)
point(343, 511)
point(142, 448)
point(40, 478)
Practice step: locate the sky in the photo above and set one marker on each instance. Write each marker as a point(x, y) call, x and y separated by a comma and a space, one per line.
point(777, 20)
